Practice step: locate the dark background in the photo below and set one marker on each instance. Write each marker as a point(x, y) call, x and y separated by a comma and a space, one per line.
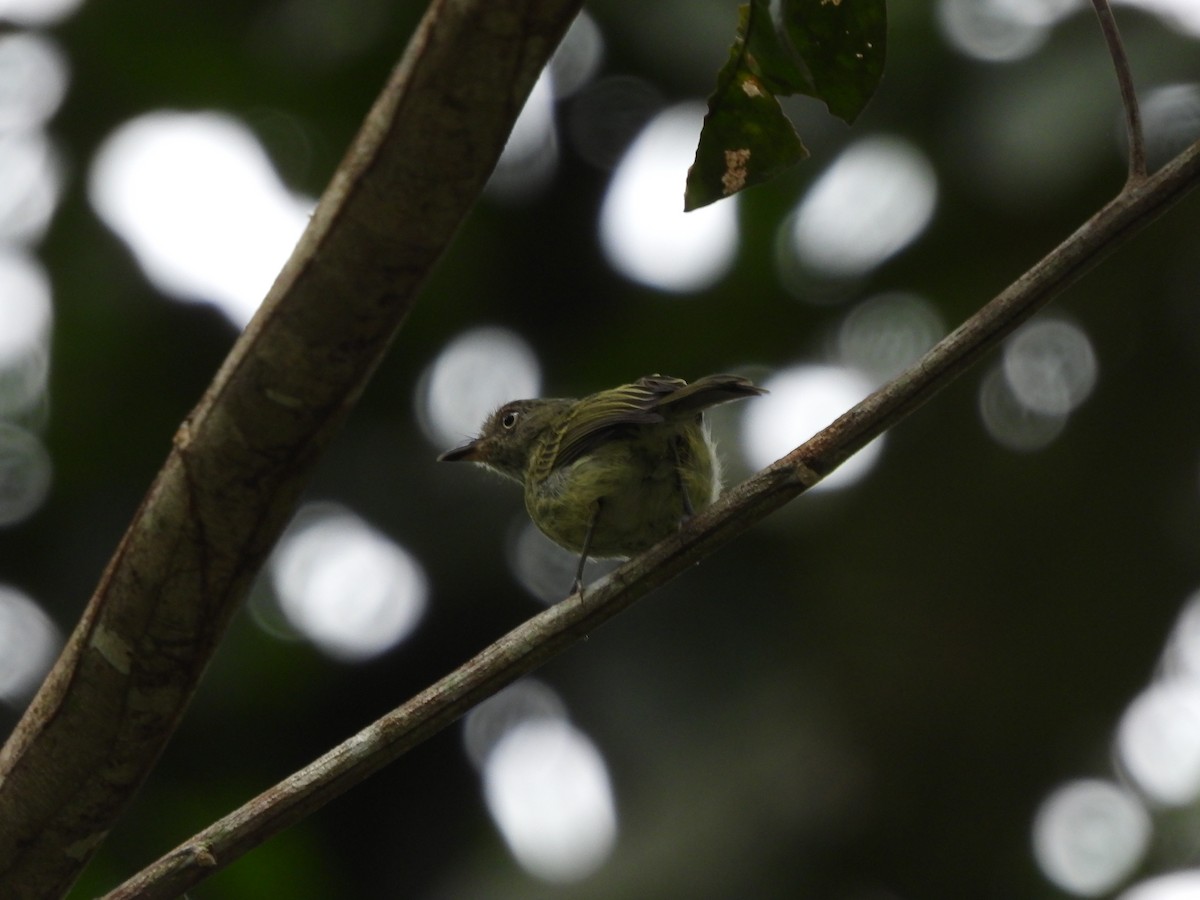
point(867, 696)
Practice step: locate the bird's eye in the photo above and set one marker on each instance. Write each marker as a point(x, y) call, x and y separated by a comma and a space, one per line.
point(509, 420)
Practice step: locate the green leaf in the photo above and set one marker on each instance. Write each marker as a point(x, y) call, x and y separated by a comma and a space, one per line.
point(746, 138)
point(832, 50)
point(768, 51)
point(842, 43)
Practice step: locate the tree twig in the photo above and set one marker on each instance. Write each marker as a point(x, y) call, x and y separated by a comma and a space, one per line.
point(99, 721)
point(1133, 118)
point(550, 632)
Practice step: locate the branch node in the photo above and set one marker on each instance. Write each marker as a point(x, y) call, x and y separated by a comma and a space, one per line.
point(202, 855)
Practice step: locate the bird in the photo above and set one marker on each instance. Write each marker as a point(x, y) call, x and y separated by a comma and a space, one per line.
point(615, 472)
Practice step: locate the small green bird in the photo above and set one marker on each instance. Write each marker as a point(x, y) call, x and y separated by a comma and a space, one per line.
point(616, 472)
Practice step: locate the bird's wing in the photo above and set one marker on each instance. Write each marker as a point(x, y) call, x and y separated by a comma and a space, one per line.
point(594, 419)
point(711, 390)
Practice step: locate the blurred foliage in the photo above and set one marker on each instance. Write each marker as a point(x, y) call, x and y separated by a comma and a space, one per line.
point(866, 696)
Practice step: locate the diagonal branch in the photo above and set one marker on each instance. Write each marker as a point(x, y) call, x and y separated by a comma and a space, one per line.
point(97, 725)
point(549, 633)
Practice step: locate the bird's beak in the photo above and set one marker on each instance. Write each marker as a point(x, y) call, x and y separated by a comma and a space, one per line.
point(468, 451)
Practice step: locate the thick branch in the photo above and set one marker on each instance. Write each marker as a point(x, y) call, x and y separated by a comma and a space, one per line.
point(239, 461)
point(547, 634)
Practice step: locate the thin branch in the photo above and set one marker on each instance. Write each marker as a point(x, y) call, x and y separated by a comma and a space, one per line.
point(552, 631)
point(240, 460)
point(1133, 117)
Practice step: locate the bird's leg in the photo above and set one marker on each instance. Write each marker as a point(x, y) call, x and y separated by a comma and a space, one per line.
point(688, 509)
point(577, 586)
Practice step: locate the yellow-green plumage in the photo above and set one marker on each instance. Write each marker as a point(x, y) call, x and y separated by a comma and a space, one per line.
point(615, 472)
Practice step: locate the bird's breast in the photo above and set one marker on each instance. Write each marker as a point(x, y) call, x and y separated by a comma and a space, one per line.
point(637, 485)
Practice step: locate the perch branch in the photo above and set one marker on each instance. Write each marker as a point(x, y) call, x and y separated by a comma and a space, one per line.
point(549, 633)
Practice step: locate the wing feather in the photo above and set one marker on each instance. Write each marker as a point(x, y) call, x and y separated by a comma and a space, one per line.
point(596, 418)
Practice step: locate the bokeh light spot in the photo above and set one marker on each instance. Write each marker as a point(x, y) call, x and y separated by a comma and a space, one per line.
point(1000, 30)
point(802, 401)
point(33, 80)
point(885, 334)
point(1181, 15)
point(25, 319)
point(348, 588)
point(644, 231)
point(37, 12)
point(1010, 422)
point(530, 156)
point(548, 790)
point(526, 700)
point(1089, 835)
point(1175, 886)
point(28, 644)
point(1050, 366)
point(201, 206)
point(871, 202)
point(477, 372)
point(1182, 656)
point(1171, 119)
point(578, 57)
point(29, 185)
point(25, 473)
point(545, 783)
point(1159, 741)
